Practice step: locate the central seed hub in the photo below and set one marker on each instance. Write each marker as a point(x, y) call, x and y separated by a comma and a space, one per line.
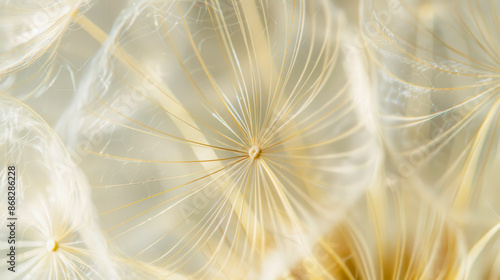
point(52, 245)
point(254, 152)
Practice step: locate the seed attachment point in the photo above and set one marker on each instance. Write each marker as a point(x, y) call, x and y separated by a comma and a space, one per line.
point(52, 245)
point(255, 152)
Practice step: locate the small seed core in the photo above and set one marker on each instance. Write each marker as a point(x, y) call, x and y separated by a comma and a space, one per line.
point(52, 245)
point(254, 152)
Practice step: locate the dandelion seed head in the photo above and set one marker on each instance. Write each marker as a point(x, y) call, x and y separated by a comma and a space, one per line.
point(254, 118)
point(52, 201)
point(439, 62)
point(389, 238)
point(30, 32)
